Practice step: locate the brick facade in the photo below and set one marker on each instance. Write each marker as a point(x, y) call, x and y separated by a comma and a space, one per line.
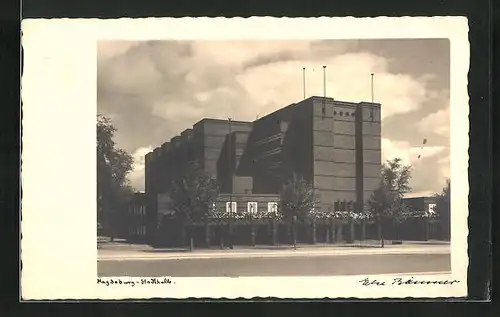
point(334, 145)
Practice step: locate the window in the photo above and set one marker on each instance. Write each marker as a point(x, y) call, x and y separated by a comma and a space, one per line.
point(232, 209)
point(341, 113)
point(349, 206)
point(336, 206)
point(431, 209)
point(252, 208)
point(335, 113)
point(272, 208)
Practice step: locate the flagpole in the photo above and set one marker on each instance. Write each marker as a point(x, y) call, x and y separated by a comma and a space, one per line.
point(372, 86)
point(304, 81)
point(324, 81)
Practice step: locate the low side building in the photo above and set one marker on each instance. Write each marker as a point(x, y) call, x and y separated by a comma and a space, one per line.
point(136, 218)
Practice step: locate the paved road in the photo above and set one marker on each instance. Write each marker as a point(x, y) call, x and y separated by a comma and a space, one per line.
point(356, 264)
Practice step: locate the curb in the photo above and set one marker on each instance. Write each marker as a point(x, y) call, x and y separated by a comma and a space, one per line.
point(240, 255)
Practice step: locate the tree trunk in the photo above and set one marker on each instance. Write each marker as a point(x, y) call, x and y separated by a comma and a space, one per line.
point(190, 237)
point(230, 234)
point(294, 233)
point(252, 232)
point(340, 233)
point(426, 229)
point(184, 236)
point(207, 233)
point(221, 236)
point(274, 231)
point(351, 229)
point(363, 229)
point(379, 232)
point(331, 229)
point(313, 233)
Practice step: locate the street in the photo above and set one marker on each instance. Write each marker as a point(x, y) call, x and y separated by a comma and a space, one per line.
point(288, 263)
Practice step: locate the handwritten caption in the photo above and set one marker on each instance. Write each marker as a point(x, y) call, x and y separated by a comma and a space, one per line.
point(133, 282)
point(406, 281)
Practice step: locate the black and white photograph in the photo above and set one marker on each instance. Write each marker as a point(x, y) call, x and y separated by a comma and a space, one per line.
point(258, 158)
point(268, 158)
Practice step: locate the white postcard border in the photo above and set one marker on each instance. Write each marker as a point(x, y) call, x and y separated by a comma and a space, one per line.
point(59, 170)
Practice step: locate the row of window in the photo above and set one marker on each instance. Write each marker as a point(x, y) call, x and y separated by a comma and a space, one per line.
point(252, 207)
point(341, 113)
point(343, 205)
point(137, 231)
point(137, 210)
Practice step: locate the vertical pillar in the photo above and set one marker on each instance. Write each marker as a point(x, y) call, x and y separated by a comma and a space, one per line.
point(331, 229)
point(340, 233)
point(363, 229)
point(313, 230)
point(274, 230)
point(252, 231)
point(207, 234)
point(327, 239)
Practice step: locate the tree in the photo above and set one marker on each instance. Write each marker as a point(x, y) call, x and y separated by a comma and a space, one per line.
point(296, 202)
point(193, 197)
point(443, 209)
point(386, 202)
point(113, 166)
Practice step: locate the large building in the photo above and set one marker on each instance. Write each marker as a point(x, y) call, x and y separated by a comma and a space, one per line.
point(335, 145)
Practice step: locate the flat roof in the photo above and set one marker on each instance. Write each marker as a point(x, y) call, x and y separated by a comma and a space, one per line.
point(221, 120)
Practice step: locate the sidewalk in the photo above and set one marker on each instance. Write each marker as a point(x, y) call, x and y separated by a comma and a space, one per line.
point(142, 252)
point(121, 244)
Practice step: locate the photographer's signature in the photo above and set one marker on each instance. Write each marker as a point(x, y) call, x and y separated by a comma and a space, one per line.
point(406, 281)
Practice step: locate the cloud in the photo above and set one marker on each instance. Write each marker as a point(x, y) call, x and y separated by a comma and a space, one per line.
point(430, 164)
point(155, 90)
point(136, 176)
point(437, 122)
point(407, 153)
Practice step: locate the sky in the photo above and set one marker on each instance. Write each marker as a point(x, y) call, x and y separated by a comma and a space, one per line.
point(153, 90)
